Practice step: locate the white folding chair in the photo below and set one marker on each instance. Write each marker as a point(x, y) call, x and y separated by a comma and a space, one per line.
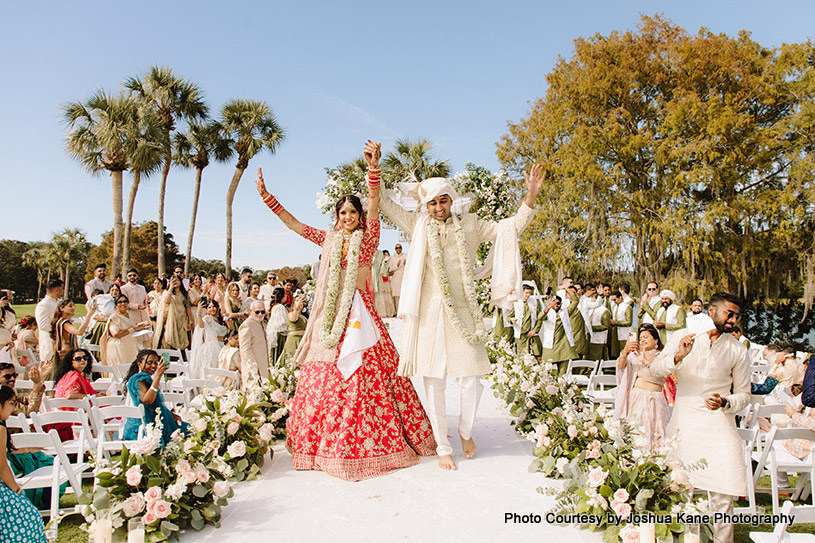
point(193, 387)
point(95, 350)
point(110, 377)
point(111, 421)
point(748, 440)
point(781, 460)
point(174, 376)
point(19, 422)
point(62, 471)
point(579, 378)
point(84, 442)
point(99, 401)
point(174, 354)
point(26, 358)
point(24, 385)
point(215, 373)
point(174, 399)
point(54, 404)
point(602, 389)
point(605, 365)
point(802, 514)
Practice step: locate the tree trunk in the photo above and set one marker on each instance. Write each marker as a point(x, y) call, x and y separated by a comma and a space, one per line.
point(230, 196)
point(196, 192)
point(67, 274)
point(165, 171)
point(116, 189)
point(131, 200)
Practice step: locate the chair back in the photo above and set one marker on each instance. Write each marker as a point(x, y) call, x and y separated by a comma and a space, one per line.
point(53, 404)
point(52, 446)
point(18, 422)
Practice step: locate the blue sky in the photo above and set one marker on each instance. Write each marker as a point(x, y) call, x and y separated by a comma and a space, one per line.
point(334, 73)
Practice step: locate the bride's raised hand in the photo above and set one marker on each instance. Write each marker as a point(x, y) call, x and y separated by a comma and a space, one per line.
point(372, 153)
point(261, 185)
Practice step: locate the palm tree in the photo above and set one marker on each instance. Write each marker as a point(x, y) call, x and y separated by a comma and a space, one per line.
point(102, 136)
point(171, 98)
point(146, 158)
point(68, 248)
point(251, 127)
point(414, 162)
point(39, 257)
point(193, 150)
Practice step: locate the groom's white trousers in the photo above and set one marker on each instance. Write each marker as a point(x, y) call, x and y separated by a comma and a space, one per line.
point(471, 389)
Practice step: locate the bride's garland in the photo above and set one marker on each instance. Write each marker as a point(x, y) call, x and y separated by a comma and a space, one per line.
point(333, 324)
point(434, 244)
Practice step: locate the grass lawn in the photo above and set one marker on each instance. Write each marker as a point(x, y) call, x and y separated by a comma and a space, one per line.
point(28, 309)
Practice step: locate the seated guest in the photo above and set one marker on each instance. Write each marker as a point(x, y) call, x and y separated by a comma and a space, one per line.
point(72, 378)
point(25, 523)
point(639, 398)
point(786, 369)
point(26, 338)
point(26, 404)
point(142, 382)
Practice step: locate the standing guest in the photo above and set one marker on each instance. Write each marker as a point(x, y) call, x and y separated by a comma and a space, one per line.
point(501, 327)
point(600, 319)
point(143, 381)
point(361, 390)
point(154, 297)
point(277, 326)
point(44, 312)
point(105, 305)
point(288, 294)
point(558, 338)
point(8, 318)
point(194, 292)
point(382, 287)
point(254, 296)
point(173, 320)
point(624, 316)
point(387, 288)
point(669, 317)
point(218, 292)
point(254, 350)
point(267, 288)
point(64, 334)
point(713, 385)
point(639, 398)
point(244, 283)
point(396, 272)
point(118, 280)
point(526, 317)
point(137, 295)
point(296, 327)
point(20, 520)
point(229, 357)
point(649, 302)
point(612, 344)
point(178, 271)
point(118, 346)
point(6, 345)
point(98, 281)
point(738, 334)
point(564, 286)
point(232, 309)
point(26, 338)
point(579, 332)
point(207, 339)
point(697, 319)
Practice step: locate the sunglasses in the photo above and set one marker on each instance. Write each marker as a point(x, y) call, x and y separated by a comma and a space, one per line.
point(261, 312)
point(122, 302)
point(80, 358)
point(10, 376)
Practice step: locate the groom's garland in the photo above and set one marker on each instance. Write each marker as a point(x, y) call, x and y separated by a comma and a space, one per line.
point(333, 324)
point(434, 244)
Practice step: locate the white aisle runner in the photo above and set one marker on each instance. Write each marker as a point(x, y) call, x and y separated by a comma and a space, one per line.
point(421, 503)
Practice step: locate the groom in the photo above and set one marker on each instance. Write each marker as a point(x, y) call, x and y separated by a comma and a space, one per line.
point(443, 328)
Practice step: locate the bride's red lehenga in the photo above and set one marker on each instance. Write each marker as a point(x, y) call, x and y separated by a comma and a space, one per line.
point(367, 425)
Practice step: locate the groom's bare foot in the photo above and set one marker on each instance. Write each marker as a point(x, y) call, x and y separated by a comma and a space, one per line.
point(469, 447)
point(446, 462)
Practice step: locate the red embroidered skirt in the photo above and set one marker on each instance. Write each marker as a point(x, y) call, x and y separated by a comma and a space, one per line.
point(366, 426)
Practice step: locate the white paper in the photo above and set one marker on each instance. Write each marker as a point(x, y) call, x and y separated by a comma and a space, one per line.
point(146, 332)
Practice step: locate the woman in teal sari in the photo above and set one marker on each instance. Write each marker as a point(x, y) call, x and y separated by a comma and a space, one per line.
point(143, 382)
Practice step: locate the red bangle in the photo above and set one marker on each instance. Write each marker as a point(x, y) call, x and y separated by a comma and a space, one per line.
point(273, 204)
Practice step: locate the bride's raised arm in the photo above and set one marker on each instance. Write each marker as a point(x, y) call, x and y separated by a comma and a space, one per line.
point(269, 199)
point(372, 153)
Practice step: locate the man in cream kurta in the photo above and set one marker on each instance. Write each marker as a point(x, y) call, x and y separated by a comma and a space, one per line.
point(707, 365)
point(44, 313)
point(253, 346)
point(433, 346)
point(396, 270)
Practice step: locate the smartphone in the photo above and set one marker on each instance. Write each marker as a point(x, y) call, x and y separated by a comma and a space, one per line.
point(204, 300)
point(165, 360)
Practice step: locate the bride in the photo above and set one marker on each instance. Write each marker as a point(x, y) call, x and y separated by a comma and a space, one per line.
point(351, 417)
point(207, 339)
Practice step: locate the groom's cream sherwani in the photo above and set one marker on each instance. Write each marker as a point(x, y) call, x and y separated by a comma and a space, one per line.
point(440, 348)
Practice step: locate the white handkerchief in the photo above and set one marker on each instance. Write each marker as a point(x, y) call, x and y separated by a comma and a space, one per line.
point(360, 334)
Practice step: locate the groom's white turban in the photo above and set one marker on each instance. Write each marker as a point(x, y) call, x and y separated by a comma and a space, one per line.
point(432, 188)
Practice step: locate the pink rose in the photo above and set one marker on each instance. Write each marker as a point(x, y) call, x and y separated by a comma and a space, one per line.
point(133, 475)
point(621, 495)
point(572, 431)
point(232, 428)
point(236, 450)
point(592, 453)
point(202, 473)
point(153, 493)
point(551, 390)
point(597, 477)
point(630, 534)
point(593, 430)
point(622, 509)
point(182, 466)
point(133, 505)
point(220, 489)
point(277, 396)
point(149, 518)
point(189, 477)
point(595, 444)
point(161, 509)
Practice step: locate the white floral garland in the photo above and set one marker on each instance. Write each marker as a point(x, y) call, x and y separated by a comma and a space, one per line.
point(434, 244)
point(333, 324)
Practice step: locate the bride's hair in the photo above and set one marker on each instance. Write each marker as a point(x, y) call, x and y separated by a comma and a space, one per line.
point(356, 202)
